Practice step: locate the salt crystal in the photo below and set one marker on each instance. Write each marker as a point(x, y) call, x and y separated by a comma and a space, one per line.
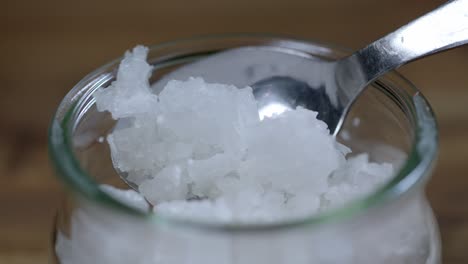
point(130, 94)
point(169, 184)
point(356, 121)
point(345, 135)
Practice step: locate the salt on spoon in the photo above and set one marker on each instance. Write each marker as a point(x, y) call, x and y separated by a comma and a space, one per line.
point(204, 140)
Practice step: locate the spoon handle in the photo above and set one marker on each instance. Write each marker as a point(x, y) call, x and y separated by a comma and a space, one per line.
point(443, 28)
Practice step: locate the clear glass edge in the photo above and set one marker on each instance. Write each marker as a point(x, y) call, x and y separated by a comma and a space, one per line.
point(414, 172)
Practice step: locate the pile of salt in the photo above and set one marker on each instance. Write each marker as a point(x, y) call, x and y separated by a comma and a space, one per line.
point(199, 150)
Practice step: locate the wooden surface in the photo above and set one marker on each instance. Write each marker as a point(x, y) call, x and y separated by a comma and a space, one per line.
point(48, 45)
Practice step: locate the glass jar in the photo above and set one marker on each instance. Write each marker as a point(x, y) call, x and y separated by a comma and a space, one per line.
point(391, 121)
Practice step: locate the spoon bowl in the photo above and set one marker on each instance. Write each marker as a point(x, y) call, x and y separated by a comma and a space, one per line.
point(342, 81)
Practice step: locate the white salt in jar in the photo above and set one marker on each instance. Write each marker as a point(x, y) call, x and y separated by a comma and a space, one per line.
point(391, 122)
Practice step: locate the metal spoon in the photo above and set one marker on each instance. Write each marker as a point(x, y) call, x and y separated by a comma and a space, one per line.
point(343, 80)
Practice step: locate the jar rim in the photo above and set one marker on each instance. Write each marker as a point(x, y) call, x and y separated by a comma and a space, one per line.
point(415, 170)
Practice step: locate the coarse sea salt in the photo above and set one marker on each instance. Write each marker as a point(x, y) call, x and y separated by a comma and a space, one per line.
point(199, 150)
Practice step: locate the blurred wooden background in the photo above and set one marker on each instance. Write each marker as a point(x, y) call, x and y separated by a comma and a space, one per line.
point(47, 46)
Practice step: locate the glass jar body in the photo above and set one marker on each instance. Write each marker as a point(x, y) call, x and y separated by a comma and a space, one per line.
point(404, 232)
